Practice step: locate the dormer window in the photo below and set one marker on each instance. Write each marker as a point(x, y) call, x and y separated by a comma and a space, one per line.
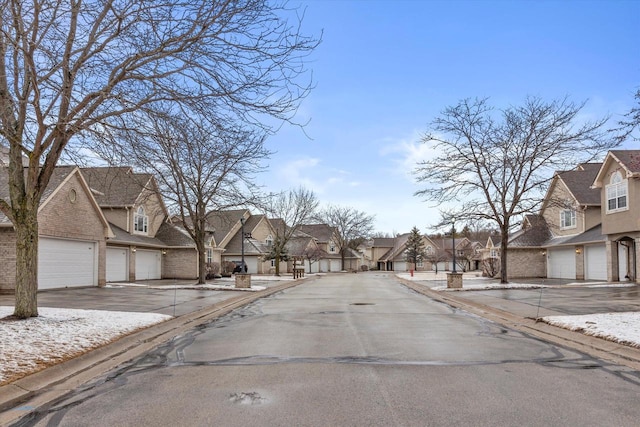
point(617, 193)
point(568, 218)
point(140, 221)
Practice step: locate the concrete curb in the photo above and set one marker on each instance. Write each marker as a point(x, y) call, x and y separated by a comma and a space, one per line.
point(45, 386)
point(593, 346)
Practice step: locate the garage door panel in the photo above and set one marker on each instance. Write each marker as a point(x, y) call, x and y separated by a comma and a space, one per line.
point(117, 264)
point(596, 262)
point(561, 263)
point(148, 265)
point(66, 263)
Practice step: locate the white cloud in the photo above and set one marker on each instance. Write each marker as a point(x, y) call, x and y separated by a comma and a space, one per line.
point(403, 154)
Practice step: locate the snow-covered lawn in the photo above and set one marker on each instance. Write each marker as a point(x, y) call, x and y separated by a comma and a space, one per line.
point(623, 328)
point(28, 346)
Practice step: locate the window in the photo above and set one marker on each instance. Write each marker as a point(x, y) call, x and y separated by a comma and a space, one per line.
point(273, 263)
point(209, 255)
point(140, 221)
point(617, 193)
point(494, 253)
point(269, 240)
point(429, 250)
point(420, 263)
point(332, 247)
point(568, 218)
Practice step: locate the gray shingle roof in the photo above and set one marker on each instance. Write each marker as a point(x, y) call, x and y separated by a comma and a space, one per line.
point(116, 186)
point(122, 236)
point(60, 173)
point(223, 221)
point(629, 158)
point(383, 242)
point(579, 181)
point(322, 232)
point(174, 235)
point(534, 233)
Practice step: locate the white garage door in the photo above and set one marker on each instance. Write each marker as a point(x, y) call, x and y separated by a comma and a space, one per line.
point(561, 263)
point(335, 265)
point(252, 265)
point(400, 266)
point(66, 263)
point(595, 258)
point(117, 264)
point(148, 264)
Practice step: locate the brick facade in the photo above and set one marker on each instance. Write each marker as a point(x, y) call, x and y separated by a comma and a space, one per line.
point(180, 264)
point(68, 213)
point(526, 263)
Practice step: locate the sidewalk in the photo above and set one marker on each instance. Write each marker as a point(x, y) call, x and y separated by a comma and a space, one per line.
point(521, 308)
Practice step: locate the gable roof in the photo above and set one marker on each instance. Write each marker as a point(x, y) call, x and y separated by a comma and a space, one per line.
point(383, 242)
point(59, 176)
point(629, 160)
point(322, 232)
point(223, 222)
point(534, 233)
point(578, 181)
point(117, 187)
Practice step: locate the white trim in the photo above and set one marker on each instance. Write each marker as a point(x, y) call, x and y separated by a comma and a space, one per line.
point(621, 188)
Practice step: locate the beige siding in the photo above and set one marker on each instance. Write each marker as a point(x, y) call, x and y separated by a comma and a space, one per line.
point(153, 208)
point(119, 217)
point(262, 231)
point(592, 217)
point(622, 221)
point(558, 195)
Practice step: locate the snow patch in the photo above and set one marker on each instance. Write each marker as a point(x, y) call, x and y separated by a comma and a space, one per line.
point(59, 334)
point(623, 328)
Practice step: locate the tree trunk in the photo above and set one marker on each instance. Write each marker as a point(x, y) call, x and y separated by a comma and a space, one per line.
point(26, 292)
point(202, 261)
point(503, 255)
point(342, 257)
point(277, 260)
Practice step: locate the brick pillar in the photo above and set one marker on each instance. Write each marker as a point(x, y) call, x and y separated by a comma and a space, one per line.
point(454, 280)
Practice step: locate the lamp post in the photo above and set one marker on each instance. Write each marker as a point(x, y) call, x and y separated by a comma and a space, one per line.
point(453, 245)
point(242, 268)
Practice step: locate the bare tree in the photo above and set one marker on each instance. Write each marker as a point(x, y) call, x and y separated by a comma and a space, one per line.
point(199, 166)
point(290, 210)
point(79, 69)
point(630, 123)
point(496, 164)
point(352, 227)
point(313, 254)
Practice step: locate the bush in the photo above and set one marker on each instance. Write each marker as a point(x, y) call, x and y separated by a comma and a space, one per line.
point(364, 267)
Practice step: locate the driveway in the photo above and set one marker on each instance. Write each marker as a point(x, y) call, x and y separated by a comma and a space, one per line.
point(353, 349)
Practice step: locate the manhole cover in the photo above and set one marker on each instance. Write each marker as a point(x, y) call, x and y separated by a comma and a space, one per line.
point(362, 303)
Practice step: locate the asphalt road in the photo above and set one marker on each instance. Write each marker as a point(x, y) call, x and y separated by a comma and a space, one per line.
point(354, 350)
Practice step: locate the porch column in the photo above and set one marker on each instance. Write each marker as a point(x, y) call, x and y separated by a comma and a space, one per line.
point(612, 261)
point(634, 267)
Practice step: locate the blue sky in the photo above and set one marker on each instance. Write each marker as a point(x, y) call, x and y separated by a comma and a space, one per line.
point(385, 69)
